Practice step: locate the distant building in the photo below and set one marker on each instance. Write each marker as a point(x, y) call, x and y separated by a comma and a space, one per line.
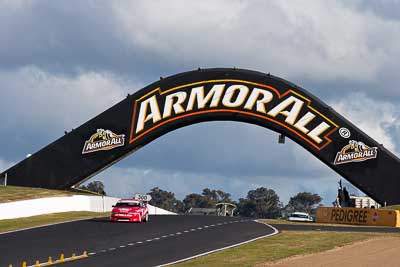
point(221, 209)
point(364, 202)
point(225, 209)
point(202, 211)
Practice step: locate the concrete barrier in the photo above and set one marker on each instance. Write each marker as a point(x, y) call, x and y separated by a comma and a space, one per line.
point(357, 216)
point(32, 207)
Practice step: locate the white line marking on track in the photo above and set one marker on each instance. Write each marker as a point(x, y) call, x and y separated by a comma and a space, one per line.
point(186, 231)
point(275, 231)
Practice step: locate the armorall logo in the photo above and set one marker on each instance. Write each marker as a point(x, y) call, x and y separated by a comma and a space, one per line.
point(355, 152)
point(103, 140)
point(289, 110)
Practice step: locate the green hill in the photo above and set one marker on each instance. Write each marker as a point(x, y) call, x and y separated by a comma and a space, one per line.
point(15, 193)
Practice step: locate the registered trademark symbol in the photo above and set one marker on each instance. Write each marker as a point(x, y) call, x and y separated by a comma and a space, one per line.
point(344, 132)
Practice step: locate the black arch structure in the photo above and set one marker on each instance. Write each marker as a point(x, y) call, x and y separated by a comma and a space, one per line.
point(214, 95)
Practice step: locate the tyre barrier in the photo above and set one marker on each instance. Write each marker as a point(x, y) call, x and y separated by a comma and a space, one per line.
point(358, 216)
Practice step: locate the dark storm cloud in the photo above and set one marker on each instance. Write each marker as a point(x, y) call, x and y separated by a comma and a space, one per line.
point(330, 42)
point(67, 37)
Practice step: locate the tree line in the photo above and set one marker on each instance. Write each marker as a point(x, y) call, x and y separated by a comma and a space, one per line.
point(260, 203)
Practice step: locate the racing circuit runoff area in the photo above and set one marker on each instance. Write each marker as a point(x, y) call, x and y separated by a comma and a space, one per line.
point(175, 102)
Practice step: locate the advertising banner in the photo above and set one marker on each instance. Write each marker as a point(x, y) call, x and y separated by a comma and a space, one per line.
point(358, 216)
point(214, 95)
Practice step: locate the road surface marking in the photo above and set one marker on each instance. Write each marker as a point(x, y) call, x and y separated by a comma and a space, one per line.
point(231, 246)
point(177, 233)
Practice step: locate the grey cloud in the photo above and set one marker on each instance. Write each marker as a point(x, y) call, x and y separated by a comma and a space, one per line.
point(379, 119)
point(36, 107)
point(66, 38)
point(325, 42)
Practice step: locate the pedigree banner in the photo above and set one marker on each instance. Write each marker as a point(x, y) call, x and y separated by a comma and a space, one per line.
point(372, 217)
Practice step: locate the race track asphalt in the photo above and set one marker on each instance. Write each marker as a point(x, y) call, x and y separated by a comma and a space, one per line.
point(164, 239)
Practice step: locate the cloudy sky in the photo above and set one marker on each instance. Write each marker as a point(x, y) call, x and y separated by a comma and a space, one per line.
point(61, 63)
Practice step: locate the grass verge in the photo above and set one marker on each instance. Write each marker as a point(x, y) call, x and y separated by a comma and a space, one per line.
point(15, 193)
point(21, 223)
point(279, 221)
point(283, 245)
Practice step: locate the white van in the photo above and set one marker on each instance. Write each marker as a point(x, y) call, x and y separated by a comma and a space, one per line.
point(300, 217)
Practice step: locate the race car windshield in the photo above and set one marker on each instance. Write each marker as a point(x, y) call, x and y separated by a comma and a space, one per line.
point(127, 204)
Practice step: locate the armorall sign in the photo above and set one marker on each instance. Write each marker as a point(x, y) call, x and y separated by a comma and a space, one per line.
point(291, 110)
point(214, 95)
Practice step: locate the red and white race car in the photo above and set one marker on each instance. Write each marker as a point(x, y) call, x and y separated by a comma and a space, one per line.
point(130, 210)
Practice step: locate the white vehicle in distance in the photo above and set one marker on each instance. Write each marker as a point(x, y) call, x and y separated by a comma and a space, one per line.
point(300, 217)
